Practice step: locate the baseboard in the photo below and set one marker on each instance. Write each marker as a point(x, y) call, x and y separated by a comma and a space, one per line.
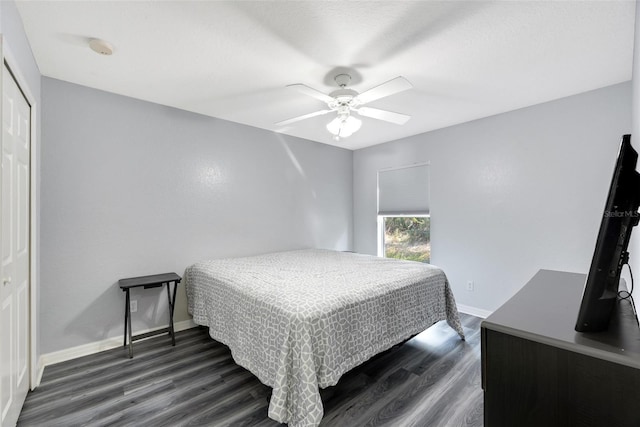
point(39, 372)
point(474, 311)
point(96, 347)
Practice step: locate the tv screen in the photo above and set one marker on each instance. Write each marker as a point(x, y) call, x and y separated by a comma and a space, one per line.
point(610, 255)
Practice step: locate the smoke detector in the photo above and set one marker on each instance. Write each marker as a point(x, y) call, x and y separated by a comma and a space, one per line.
point(100, 46)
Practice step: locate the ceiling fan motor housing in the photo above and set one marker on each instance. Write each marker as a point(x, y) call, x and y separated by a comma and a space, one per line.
point(343, 97)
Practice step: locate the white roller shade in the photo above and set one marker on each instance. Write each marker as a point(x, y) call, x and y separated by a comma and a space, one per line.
point(404, 191)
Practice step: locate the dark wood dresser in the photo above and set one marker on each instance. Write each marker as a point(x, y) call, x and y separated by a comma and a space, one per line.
point(538, 371)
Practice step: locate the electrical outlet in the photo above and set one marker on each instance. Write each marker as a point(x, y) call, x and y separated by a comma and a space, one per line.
point(133, 304)
point(470, 286)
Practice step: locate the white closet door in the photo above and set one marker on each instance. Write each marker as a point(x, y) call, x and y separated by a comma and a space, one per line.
point(14, 255)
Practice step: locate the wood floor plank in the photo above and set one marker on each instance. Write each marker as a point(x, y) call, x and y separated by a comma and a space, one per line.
point(427, 398)
point(431, 380)
point(101, 390)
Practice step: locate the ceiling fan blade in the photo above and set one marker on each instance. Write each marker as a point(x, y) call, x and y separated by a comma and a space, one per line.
point(311, 92)
point(387, 116)
point(391, 87)
point(306, 116)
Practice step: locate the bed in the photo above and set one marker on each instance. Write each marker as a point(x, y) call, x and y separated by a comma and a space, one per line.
point(298, 320)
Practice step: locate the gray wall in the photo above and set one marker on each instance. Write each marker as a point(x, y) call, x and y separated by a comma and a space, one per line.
point(132, 188)
point(18, 49)
point(510, 194)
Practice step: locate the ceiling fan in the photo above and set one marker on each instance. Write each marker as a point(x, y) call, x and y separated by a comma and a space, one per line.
point(347, 101)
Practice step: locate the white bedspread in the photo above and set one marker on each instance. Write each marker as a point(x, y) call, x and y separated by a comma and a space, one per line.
point(299, 320)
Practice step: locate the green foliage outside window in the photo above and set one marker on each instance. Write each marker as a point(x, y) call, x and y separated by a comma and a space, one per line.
point(407, 238)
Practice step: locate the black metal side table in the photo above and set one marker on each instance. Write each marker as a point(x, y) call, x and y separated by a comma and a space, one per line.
point(146, 282)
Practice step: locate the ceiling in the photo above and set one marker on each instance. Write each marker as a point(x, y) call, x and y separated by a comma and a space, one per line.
point(233, 59)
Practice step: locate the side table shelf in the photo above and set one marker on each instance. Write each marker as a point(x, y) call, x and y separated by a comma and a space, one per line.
point(147, 282)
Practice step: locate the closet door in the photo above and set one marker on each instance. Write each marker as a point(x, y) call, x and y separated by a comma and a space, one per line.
point(14, 256)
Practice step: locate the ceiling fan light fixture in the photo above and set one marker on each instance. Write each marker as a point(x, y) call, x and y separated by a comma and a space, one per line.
point(344, 126)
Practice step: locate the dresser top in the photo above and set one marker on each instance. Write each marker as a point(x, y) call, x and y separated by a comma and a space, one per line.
point(546, 308)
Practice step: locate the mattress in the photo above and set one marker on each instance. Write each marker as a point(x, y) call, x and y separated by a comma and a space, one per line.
point(299, 320)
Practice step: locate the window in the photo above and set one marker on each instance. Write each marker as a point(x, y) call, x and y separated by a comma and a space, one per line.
point(406, 237)
point(404, 222)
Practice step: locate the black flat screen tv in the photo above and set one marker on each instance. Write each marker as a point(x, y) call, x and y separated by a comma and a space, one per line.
point(610, 255)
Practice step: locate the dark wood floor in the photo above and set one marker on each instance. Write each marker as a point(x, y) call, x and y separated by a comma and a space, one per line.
point(431, 380)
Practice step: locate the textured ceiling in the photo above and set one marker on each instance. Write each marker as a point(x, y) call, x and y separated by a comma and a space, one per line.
point(233, 59)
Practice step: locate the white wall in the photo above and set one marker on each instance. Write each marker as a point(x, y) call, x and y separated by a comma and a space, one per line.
point(510, 194)
point(132, 188)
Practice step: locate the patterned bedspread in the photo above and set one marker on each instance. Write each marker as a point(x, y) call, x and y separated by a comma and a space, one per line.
point(299, 320)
